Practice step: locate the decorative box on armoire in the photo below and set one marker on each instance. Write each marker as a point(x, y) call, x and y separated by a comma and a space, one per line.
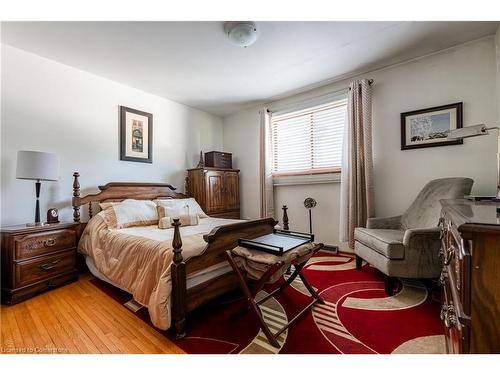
point(217, 190)
point(217, 159)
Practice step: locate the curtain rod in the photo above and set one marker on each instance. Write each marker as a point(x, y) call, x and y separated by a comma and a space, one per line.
point(370, 82)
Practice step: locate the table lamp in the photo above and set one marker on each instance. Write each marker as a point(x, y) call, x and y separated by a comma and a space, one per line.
point(38, 166)
point(474, 131)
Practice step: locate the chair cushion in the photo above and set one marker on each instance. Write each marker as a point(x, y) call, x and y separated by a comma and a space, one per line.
point(388, 242)
point(256, 262)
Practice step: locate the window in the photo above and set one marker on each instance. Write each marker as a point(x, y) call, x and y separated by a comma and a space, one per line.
point(309, 141)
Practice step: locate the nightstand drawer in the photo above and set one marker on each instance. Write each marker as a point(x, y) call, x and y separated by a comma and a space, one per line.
point(43, 268)
point(35, 244)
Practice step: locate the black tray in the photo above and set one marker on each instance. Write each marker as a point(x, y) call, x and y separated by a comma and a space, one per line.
point(278, 242)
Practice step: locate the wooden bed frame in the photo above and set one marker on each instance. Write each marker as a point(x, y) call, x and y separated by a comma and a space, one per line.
point(218, 241)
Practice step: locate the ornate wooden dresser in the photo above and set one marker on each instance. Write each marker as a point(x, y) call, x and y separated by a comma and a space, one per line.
point(471, 276)
point(217, 190)
point(35, 259)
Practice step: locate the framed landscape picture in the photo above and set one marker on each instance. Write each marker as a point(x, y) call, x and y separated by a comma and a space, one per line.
point(428, 127)
point(136, 135)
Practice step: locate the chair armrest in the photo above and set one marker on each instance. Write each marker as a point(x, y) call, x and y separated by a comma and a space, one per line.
point(422, 247)
point(421, 234)
point(384, 222)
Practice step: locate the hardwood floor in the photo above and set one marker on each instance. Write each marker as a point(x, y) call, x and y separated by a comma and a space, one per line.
point(77, 318)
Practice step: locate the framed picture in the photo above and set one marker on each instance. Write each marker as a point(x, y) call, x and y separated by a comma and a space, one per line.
point(136, 135)
point(428, 127)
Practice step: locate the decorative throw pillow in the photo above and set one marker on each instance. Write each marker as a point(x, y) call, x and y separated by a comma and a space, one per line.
point(130, 213)
point(172, 209)
point(176, 207)
point(185, 220)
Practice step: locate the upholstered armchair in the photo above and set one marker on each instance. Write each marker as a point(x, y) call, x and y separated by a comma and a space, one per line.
point(408, 245)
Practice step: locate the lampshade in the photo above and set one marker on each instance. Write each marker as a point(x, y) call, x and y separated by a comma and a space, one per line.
point(468, 131)
point(34, 165)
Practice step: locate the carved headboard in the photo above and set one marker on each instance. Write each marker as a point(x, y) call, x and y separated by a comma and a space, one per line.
point(118, 191)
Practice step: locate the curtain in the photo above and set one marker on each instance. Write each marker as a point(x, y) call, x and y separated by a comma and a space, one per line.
point(356, 204)
point(266, 176)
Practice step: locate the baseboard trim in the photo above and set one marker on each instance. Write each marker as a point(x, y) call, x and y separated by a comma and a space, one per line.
point(332, 248)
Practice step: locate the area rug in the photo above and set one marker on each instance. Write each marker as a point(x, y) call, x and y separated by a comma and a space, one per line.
point(357, 318)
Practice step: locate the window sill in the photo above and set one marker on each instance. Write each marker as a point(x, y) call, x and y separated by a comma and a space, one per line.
point(324, 178)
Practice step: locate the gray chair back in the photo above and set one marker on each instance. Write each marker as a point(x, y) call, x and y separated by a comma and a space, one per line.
point(425, 210)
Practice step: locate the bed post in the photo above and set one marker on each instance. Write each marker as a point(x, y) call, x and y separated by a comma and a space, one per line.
point(76, 194)
point(187, 186)
point(179, 292)
point(285, 218)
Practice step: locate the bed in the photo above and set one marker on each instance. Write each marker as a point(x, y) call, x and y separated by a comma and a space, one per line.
point(171, 271)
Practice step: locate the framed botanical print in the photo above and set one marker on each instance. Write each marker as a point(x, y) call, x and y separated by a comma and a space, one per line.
point(136, 135)
point(429, 127)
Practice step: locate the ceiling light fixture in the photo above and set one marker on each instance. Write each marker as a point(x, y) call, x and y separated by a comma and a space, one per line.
point(241, 33)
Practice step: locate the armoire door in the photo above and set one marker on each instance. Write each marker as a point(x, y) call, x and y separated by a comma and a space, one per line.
point(232, 190)
point(214, 181)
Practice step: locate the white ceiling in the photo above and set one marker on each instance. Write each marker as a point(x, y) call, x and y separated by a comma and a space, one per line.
point(195, 64)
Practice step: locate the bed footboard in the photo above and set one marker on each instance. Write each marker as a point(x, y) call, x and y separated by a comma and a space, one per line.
point(218, 241)
point(226, 237)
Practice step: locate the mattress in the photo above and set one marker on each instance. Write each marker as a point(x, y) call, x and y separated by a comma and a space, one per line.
point(192, 280)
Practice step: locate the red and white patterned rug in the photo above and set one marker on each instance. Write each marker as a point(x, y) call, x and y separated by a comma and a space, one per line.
point(357, 318)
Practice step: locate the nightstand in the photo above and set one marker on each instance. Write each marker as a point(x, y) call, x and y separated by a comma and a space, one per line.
point(35, 259)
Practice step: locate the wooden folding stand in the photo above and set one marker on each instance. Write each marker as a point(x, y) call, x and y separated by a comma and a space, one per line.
point(280, 264)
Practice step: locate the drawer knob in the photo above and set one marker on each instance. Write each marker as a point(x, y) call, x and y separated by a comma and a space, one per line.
point(444, 308)
point(443, 276)
point(449, 255)
point(442, 233)
point(49, 266)
point(448, 315)
point(450, 319)
point(49, 242)
point(441, 224)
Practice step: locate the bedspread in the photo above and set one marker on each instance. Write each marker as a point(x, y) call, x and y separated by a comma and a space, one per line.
point(139, 259)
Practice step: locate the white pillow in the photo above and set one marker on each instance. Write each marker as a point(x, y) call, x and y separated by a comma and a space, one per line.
point(172, 209)
point(130, 213)
point(177, 207)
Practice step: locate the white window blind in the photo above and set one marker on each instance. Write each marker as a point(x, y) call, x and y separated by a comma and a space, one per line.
point(309, 140)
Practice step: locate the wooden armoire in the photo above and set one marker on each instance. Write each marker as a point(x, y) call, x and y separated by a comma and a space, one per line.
point(217, 191)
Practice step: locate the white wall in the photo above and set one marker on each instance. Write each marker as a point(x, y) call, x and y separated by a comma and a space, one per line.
point(497, 45)
point(47, 106)
point(241, 138)
point(465, 73)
